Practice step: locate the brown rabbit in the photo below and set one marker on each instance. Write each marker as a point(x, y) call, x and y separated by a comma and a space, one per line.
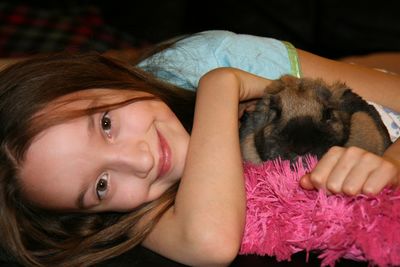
point(299, 116)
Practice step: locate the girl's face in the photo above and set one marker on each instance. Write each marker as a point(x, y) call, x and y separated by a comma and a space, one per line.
point(111, 161)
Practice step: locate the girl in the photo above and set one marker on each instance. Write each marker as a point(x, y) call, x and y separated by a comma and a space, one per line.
point(98, 156)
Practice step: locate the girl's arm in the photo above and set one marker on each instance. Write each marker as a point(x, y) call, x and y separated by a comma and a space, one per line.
point(353, 170)
point(373, 85)
point(205, 226)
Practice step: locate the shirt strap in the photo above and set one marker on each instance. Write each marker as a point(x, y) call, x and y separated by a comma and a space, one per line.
point(293, 59)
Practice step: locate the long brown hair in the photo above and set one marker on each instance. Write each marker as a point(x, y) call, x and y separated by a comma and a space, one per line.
point(39, 237)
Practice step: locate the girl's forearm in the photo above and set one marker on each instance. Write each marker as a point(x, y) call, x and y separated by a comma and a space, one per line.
point(211, 199)
point(206, 224)
point(371, 84)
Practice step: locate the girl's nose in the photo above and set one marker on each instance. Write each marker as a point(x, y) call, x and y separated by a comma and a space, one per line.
point(136, 158)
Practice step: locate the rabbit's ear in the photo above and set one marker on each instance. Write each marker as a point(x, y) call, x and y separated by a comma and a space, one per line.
point(282, 83)
point(364, 133)
point(350, 102)
point(367, 130)
point(289, 79)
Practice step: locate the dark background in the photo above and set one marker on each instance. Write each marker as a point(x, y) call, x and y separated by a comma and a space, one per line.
point(331, 28)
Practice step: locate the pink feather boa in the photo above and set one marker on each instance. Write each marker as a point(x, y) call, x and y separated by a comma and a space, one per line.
point(283, 219)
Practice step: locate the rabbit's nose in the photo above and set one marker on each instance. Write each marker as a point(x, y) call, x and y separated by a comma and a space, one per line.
point(300, 149)
point(302, 135)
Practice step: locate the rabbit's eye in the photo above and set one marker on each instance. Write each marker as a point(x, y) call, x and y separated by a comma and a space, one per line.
point(275, 108)
point(275, 114)
point(327, 115)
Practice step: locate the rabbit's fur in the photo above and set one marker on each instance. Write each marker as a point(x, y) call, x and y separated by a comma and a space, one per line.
point(300, 116)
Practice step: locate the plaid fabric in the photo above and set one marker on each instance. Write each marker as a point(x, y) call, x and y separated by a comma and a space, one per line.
point(26, 30)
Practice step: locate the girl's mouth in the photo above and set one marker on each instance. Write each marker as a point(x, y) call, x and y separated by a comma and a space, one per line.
point(165, 156)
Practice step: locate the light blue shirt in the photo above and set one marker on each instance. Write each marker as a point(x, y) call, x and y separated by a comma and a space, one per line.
point(189, 59)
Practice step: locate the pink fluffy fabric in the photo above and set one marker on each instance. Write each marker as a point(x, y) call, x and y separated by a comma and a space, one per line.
point(283, 219)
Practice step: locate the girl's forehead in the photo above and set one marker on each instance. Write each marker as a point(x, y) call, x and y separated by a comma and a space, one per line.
point(54, 160)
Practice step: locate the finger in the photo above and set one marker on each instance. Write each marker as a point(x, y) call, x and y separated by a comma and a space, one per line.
point(251, 105)
point(242, 108)
point(385, 175)
point(248, 106)
point(360, 173)
point(395, 171)
point(322, 170)
point(348, 160)
point(305, 182)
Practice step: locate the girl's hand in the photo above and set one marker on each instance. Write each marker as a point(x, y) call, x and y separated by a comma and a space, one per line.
point(247, 106)
point(352, 171)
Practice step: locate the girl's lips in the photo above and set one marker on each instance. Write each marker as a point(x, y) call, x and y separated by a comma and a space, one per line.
point(165, 156)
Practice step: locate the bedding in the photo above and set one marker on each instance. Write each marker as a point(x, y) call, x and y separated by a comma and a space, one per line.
point(26, 29)
point(283, 219)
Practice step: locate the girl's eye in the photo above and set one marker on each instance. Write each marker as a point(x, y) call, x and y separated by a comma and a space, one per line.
point(106, 124)
point(102, 186)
